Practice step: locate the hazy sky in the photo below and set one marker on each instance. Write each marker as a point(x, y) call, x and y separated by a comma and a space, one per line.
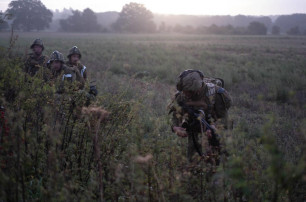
point(193, 7)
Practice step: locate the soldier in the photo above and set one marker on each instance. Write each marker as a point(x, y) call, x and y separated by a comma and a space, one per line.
point(36, 60)
point(74, 57)
point(196, 109)
point(61, 73)
point(56, 65)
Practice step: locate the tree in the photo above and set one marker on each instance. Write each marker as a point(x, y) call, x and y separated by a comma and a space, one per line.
point(213, 29)
point(257, 28)
point(275, 30)
point(29, 15)
point(135, 18)
point(3, 23)
point(294, 31)
point(85, 21)
point(90, 21)
point(244, 21)
point(178, 28)
point(4, 26)
point(162, 27)
point(287, 22)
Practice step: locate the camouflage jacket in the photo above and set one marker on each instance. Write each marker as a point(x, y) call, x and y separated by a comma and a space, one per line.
point(81, 68)
point(33, 64)
point(66, 77)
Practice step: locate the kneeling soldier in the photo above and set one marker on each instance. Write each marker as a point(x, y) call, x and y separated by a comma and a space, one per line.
point(196, 108)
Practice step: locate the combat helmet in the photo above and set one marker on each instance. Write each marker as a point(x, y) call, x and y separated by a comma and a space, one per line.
point(37, 42)
point(56, 55)
point(190, 80)
point(74, 50)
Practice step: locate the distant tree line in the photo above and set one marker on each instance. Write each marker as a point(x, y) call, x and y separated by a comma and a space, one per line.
point(31, 15)
point(254, 28)
point(85, 21)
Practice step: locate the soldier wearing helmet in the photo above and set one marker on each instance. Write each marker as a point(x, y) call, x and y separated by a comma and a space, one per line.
point(36, 60)
point(74, 57)
point(56, 64)
point(199, 101)
point(60, 72)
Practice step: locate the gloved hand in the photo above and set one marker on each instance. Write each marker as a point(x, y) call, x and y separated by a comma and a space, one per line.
point(93, 90)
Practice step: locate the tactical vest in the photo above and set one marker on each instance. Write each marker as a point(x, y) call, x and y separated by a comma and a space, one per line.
point(81, 68)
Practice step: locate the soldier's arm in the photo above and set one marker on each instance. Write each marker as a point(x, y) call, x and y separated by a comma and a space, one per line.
point(176, 124)
point(175, 109)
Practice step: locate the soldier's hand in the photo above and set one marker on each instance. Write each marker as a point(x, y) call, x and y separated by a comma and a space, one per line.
point(75, 68)
point(179, 131)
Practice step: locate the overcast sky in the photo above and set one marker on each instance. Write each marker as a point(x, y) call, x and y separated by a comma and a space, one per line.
point(192, 7)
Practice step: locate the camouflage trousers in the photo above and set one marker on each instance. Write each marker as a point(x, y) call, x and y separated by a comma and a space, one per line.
point(198, 143)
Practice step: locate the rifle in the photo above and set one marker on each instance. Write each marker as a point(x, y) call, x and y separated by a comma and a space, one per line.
point(195, 123)
point(93, 88)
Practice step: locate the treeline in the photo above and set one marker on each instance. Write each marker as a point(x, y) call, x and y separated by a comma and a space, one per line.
point(85, 21)
point(254, 28)
point(136, 18)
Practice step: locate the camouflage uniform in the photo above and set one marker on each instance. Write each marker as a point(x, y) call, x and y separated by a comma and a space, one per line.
point(34, 63)
point(72, 74)
point(55, 56)
point(80, 67)
point(64, 74)
point(92, 93)
point(208, 97)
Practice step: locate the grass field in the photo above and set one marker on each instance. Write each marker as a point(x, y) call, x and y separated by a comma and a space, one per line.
point(266, 78)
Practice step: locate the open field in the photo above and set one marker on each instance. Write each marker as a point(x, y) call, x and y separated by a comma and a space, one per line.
point(266, 78)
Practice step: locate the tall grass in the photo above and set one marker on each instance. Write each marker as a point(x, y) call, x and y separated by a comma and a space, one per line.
point(55, 148)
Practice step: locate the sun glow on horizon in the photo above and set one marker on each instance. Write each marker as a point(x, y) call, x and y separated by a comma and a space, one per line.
point(192, 7)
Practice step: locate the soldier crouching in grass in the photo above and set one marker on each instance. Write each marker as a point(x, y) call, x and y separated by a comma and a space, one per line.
point(198, 108)
point(36, 60)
